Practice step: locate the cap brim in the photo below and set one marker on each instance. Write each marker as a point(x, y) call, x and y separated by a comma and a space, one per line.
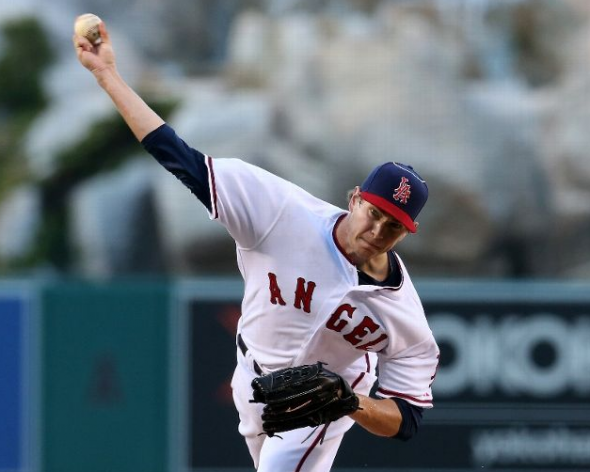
point(390, 209)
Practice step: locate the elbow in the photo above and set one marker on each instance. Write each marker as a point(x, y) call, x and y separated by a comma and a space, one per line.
point(403, 435)
point(407, 433)
point(411, 420)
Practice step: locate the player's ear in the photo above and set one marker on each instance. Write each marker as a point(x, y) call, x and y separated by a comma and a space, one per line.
point(354, 196)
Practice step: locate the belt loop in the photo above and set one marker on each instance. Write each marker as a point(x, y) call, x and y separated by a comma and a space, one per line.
point(244, 348)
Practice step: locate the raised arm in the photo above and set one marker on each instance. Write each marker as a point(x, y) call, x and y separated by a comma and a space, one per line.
point(100, 60)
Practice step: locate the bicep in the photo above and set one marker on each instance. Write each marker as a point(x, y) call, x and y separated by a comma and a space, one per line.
point(409, 374)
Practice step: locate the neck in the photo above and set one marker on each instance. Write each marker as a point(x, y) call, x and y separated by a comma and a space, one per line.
point(376, 267)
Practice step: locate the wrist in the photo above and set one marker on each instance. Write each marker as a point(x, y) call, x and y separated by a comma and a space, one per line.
point(105, 76)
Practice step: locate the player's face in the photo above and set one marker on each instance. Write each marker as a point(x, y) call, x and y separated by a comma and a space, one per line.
point(371, 232)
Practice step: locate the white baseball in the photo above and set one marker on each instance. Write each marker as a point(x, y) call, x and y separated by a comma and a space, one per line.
point(87, 25)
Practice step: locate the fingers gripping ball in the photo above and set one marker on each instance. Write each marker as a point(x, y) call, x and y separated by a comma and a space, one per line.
point(307, 395)
point(87, 26)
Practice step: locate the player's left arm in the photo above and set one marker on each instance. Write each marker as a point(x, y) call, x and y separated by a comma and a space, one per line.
point(378, 416)
point(404, 391)
point(388, 417)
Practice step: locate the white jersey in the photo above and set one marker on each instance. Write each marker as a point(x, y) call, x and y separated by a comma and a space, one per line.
point(302, 302)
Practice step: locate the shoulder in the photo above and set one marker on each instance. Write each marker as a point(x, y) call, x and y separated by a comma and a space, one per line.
point(239, 168)
point(242, 173)
point(398, 306)
point(406, 286)
point(237, 180)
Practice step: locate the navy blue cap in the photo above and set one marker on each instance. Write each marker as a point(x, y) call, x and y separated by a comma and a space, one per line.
point(398, 190)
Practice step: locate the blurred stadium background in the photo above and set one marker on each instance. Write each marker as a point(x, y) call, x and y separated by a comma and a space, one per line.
point(118, 298)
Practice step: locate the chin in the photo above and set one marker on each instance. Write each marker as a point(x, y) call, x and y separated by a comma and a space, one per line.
point(366, 254)
point(374, 251)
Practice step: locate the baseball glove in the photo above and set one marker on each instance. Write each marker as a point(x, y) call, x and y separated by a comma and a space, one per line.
point(307, 395)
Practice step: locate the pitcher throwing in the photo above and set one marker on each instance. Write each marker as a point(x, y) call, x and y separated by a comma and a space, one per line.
point(324, 289)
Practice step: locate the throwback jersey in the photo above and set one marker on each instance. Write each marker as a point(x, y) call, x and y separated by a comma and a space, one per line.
point(302, 302)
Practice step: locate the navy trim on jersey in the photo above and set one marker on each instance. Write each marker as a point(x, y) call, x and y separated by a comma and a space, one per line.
point(184, 162)
point(213, 187)
point(411, 419)
point(393, 280)
point(385, 392)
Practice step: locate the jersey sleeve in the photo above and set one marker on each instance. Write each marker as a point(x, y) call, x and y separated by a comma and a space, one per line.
point(178, 158)
point(246, 199)
point(410, 373)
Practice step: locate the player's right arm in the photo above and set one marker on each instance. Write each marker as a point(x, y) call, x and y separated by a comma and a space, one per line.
point(241, 190)
point(149, 128)
point(100, 60)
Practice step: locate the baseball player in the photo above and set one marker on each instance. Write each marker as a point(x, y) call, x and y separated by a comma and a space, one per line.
point(320, 283)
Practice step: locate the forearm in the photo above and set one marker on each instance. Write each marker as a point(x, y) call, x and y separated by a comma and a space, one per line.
point(381, 417)
point(140, 118)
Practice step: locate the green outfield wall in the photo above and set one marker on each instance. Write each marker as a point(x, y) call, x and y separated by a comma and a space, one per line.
point(104, 363)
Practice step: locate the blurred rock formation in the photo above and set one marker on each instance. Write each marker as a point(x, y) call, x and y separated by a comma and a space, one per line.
point(489, 101)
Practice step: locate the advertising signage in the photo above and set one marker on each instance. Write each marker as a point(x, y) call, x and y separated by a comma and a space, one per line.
point(512, 390)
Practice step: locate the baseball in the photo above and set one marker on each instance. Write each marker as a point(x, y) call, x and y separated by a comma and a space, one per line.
point(87, 25)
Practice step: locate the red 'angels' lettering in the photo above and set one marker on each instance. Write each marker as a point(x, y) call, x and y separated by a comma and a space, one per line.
point(303, 293)
point(337, 322)
point(275, 291)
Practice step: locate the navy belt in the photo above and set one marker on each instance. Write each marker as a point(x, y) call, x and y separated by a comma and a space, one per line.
point(244, 349)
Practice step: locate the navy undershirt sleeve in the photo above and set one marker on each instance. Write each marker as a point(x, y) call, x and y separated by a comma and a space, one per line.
point(186, 163)
point(411, 419)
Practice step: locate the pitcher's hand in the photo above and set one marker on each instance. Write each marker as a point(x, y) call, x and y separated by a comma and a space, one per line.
point(96, 58)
